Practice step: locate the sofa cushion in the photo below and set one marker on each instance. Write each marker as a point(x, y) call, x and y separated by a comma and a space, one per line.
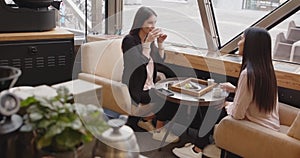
point(287, 114)
point(103, 58)
point(115, 95)
point(248, 139)
point(284, 129)
point(294, 130)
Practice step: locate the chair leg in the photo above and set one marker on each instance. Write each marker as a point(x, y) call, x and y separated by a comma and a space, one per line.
point(227, 154)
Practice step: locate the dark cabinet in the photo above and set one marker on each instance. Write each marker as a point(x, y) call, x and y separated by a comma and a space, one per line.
point(44, 61)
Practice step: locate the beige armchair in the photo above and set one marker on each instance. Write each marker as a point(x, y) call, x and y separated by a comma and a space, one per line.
point(248, 139)
point(102, 64)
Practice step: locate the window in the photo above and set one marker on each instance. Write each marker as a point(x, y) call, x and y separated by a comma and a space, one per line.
point(71, 16)
point(180, 19)
point(285, 36)
point(234, 16)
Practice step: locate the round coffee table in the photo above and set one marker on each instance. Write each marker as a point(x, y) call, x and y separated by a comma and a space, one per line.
point(190, 101)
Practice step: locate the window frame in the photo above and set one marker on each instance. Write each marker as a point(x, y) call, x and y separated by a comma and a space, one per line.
point(285, 10)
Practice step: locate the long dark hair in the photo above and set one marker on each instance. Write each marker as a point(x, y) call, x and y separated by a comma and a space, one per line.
point(257, 59)
point(141, 16)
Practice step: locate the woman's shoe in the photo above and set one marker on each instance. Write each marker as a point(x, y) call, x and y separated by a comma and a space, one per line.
point(159, 135)
point(146, 125)
point(187, 151)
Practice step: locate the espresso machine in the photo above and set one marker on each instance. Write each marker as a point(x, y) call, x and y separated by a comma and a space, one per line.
point(27, 15)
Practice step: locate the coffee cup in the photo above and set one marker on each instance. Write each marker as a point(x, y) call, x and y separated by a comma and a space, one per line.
point(217, 92)
point(210, 81)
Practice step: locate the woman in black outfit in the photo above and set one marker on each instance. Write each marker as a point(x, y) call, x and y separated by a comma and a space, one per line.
point(141, 59)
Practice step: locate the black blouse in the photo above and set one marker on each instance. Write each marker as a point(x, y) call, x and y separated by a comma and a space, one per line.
point(135, 72)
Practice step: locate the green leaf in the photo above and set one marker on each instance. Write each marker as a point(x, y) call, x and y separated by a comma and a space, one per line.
point(33, 108)
point(76, 124)
point(58, 105)
point(35, 116)
point(88, 137)
point(28, 101)
point(58, 124)
point(46, 103)
point(54, 130)
point(26, 128)
point(53, 115)
point(66, 118)
point(68, 139)
point(44, 142)
point(45, 123)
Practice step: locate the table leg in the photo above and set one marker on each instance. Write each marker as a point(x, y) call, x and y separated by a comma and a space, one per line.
point(171, 123)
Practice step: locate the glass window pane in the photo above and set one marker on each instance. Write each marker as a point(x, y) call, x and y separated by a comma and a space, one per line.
point(71, 15)
point(234, 16)
point(180, 19)
point(285, 36)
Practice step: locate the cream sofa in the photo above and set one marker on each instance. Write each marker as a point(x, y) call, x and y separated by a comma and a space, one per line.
point(102, 64)
point(250, 140)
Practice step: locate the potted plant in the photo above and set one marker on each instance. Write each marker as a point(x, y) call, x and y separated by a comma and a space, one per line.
point(60, 126)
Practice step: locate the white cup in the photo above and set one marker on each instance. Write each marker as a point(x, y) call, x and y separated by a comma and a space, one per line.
point(210, 81)
point(217, 92)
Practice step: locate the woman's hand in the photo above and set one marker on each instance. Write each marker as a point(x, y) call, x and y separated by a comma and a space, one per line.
point(227, 86)
point(162, 38)
point(156, 34)
point(224, 105)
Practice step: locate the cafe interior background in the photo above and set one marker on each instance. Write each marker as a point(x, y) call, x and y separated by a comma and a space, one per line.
point(41, 40)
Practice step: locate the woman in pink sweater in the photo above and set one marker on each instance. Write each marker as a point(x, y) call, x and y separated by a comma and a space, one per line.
point(256, 97)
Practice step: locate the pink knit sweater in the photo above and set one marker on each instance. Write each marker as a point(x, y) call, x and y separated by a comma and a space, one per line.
point(244, 108)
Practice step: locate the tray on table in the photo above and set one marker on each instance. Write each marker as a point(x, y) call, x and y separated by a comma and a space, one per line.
point(192, 86)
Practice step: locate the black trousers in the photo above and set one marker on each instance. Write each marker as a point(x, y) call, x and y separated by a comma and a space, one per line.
point(205, 120)
point(164, 110)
